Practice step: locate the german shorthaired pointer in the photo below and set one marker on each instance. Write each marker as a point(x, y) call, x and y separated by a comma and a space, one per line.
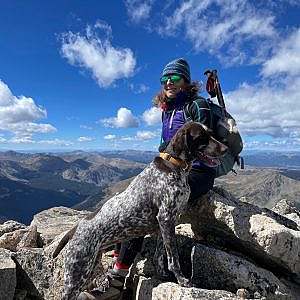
point(151, 202)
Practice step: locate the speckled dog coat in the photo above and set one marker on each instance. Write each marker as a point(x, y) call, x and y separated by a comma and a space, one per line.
point(150, 202)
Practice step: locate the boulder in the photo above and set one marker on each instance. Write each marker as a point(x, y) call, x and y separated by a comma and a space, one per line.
point(52, 222)
point(172, 291)
point(30, 239)
point(7, 275)
point(37, 274)
point(10, 240)
point(288, 209)
point(216, 269)
point(268, 237)
point(10, 226)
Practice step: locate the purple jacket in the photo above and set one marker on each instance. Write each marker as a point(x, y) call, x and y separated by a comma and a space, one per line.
point(174, 117)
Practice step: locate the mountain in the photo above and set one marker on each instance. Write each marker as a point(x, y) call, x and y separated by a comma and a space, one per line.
point(31, 182)
point(275, 159)
point(262, 187)
point(19, 201)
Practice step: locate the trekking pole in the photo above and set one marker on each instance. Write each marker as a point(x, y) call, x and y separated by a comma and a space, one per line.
point(213, 87)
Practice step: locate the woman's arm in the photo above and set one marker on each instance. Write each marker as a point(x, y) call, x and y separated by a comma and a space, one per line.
point(199, 111)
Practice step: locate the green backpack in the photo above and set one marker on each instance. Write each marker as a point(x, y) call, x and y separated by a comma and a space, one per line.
point(225, 131)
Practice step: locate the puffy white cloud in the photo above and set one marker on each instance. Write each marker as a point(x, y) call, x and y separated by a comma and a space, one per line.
point(85, 139)
point(96, 54)
point(138, 10)
point(110, 137)
point(266, 109)
point(145, 135)
point(229, 29)
point(152, 116)
point(56, 142)
point(18, 115)
point(124, 119)
point(286, 58)
point(138, 88)
point(271, 106)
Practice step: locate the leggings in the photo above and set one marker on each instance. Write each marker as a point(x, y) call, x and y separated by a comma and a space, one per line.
point(200, 182)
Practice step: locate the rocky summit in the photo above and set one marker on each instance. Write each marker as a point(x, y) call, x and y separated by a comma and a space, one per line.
point(230, 249)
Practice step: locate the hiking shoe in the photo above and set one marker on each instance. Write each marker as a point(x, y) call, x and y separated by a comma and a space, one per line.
point(119, 269)
point(111, 294)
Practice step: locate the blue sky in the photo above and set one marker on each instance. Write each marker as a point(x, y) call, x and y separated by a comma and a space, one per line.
point(82, 74)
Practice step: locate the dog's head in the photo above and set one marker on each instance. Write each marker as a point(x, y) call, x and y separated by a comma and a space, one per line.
point(194, 141)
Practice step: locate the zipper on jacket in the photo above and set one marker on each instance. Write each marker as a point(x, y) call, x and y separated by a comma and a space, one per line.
point(171, 119)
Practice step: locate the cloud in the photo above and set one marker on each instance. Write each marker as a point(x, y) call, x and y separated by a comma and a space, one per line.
point(86, 127)
point(152, 116)
point(286, 58)
point(124, 119)
point(266, 109)
point(97, 55)
point(271, 107)
point(138, 88)
point(138, 10)
point(145, 135)
point(233, 30)
point(56, 142)
point(85, 139)
point(18, 115)
point(110, 137)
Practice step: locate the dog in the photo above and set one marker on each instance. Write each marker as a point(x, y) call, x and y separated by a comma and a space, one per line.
point(149, 204)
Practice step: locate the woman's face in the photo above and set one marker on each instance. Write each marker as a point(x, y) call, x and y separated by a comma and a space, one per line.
point(172, 88)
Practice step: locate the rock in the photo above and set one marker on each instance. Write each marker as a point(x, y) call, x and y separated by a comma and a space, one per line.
point(288, 209)
point(10, 226)
point(52, 222)
point(7, 275)
point(144, 288)
point(260, 233)
point(216, 269)
point(172, 291)
point(38, 274)
point(29, 239)
point(10, 240)
point(242, 293)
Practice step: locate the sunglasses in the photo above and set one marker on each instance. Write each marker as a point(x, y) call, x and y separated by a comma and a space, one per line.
point(174, 78)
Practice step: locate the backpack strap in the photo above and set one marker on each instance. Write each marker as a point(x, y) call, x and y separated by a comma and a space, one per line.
point(187, 114)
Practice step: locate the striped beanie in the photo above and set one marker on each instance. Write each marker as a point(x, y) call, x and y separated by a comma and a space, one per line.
point(178, 66)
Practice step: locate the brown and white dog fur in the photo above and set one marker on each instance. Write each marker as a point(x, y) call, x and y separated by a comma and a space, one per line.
point(149, 204)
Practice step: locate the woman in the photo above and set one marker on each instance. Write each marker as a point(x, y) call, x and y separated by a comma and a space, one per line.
point(180, 103)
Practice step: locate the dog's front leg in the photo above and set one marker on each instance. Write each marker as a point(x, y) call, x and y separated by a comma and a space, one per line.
point(160, 258)
point(166, 219)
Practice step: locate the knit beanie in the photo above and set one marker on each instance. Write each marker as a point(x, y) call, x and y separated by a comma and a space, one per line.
point(178, 66)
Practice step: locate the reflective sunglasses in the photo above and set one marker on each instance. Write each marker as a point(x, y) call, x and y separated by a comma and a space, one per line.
point(174, 78)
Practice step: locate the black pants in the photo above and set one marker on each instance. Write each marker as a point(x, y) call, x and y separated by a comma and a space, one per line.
point(200, 182)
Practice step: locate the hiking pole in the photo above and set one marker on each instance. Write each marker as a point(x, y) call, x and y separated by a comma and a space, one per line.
point(213, 87)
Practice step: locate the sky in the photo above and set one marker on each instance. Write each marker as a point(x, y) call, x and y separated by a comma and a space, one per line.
point(82, 74)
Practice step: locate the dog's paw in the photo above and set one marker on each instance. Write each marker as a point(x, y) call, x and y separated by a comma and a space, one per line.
point(184, 282)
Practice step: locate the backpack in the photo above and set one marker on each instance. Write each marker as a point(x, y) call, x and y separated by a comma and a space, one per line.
point(225, 131)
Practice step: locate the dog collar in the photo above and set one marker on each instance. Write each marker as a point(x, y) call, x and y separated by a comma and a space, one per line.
point(175, 161)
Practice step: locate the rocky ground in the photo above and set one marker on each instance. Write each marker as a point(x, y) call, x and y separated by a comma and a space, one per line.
point(230, 250)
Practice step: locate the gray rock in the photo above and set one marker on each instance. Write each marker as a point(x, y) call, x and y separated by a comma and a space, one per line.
point(29, 239)
point(144, 288)
point(288, 209)
point(10, 240)
point(172, 291)
point(7, 275)
point(38, 274)
point(216, 269)
point(259, 233)
point(52, 222)
point(10, 226)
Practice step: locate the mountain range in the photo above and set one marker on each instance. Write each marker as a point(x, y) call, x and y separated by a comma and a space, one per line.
point(30, 182)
